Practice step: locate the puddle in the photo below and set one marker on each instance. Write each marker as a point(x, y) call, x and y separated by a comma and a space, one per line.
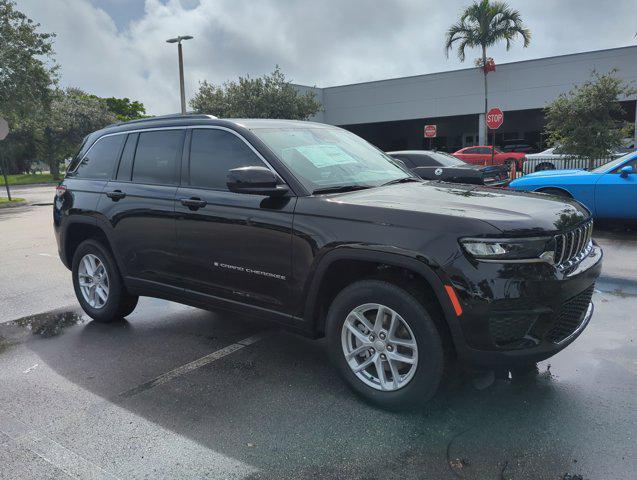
point(46, 325)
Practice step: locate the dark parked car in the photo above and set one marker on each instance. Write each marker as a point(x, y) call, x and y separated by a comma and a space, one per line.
point(517, 145)
point(310, 226)
point(431, 165)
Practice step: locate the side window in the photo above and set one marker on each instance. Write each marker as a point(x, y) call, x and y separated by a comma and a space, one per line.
point(424, 161)
point(471, 150)
point(100, 159)
point(213, 152)
point(484, 151)
point(126, 163)
point(405, 159)
point(632, 163)
point(158, 156)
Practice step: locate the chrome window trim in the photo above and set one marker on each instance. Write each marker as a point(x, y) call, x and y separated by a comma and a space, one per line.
point(184, 127)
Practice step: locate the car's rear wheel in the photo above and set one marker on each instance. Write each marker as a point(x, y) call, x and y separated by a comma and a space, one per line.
point(98, 284)
point(510, 163)
point(385, 344)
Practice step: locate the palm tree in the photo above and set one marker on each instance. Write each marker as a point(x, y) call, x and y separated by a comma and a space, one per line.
point(483, 24)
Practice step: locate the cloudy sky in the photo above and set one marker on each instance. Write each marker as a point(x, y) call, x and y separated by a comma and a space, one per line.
point(117, 47)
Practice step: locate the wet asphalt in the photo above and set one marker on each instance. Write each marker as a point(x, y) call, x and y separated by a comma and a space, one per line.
point(177, 392)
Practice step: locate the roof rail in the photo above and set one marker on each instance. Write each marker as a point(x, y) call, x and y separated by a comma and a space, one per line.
point(164, 117)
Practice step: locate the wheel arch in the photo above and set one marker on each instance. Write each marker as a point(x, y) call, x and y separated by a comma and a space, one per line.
point(342, 266)
point(544, 188)
point(79, 229)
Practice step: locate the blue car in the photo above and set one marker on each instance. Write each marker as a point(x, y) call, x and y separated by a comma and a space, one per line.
point(609, 191)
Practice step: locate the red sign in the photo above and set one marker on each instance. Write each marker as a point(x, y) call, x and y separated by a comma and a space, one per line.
point(495, 118)
point(431, 131)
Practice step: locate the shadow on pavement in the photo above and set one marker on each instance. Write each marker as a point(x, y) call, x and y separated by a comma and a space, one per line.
point(278, 406)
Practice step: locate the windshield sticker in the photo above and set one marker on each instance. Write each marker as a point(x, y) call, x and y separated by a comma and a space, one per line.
point(323, 156)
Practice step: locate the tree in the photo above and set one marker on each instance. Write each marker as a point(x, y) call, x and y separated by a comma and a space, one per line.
point(73, 115)
point(587, 122)
point(123, 108)
point(483, 24)
point(269, 96)
point(27, 70)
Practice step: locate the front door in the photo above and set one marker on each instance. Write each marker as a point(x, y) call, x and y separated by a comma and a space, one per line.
point(233, 246)
point(615, 195)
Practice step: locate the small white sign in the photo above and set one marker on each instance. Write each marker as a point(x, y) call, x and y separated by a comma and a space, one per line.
point(4, 129)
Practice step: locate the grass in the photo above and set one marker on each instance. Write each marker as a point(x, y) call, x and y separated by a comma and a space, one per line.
point(28, 178)
point(4, 202)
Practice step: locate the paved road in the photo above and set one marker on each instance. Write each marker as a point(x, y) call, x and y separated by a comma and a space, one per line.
point(177, 392)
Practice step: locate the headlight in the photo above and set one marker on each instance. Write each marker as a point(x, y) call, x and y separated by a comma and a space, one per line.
point(510, 249)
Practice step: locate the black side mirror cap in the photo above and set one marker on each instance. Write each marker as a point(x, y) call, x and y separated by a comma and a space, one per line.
point(255, 180)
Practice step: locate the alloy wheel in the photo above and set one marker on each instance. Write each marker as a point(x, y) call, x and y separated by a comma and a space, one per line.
point(379, 347)
point(93, 280)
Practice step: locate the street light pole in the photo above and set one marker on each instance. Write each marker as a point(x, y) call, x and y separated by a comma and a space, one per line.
point(182, 89)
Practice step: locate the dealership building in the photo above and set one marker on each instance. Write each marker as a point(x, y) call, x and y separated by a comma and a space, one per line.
point(392, 113)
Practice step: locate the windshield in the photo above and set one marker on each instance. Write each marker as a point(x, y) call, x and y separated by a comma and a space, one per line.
point(446, 160)
point(326, 157)
point(613, 163)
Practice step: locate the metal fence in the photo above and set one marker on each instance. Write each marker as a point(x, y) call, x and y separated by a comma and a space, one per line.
point(550, 162)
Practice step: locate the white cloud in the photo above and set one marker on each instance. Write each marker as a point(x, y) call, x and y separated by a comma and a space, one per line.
point(322, 43)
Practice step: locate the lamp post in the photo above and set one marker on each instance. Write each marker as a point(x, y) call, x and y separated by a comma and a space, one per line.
point(182, 90)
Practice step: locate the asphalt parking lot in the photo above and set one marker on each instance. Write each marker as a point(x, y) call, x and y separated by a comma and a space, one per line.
point(177, 392)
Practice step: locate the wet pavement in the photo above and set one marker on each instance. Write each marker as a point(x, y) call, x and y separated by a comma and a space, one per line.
point(71, 405)
point(177, 392)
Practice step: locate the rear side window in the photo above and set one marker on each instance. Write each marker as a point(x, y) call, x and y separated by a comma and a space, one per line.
point(158, 156)
point(471, 150)
point(126, 163)
point(214, 152)
point(423, 161)
point(100, 160)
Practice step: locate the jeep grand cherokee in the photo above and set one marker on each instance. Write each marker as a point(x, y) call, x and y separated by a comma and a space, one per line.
point(312, 227)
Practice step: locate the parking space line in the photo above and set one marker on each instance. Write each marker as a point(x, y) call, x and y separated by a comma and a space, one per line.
point(189, 367)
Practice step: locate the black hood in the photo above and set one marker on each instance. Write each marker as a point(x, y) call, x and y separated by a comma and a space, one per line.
point(512, 213)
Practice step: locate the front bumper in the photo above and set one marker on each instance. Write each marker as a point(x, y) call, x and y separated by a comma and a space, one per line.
point(523, 313)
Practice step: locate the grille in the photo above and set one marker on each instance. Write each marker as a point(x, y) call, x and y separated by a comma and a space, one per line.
point(508, 329)
point(569, 318)
point(572, 246)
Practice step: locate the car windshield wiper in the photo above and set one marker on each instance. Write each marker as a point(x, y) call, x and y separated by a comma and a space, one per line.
point(402, 180)
point(340, 188)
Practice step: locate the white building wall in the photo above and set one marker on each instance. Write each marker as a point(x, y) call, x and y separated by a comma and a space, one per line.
point(513, 86)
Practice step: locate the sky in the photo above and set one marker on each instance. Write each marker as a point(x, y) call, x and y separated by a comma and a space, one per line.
point(117, 47)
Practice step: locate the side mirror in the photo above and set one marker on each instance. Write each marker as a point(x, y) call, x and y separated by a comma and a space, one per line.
point(625, 171)
point(255, 181)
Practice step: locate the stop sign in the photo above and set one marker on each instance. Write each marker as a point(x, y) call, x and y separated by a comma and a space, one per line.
point(431, 131)
point(495, 118)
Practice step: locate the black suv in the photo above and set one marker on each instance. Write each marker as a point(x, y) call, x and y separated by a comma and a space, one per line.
point(310, 226)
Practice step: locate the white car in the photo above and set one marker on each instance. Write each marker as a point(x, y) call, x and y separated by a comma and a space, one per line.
point(549, 159)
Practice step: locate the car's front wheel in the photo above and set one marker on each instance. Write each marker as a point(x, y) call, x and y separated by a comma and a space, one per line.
point(98, 284)
point(385, 344)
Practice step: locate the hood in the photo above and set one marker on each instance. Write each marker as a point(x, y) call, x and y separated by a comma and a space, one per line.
point(512, 213)
point(553, 173)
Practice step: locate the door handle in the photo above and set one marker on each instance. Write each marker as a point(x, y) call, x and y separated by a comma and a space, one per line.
point(115, 195)
point(193, 203)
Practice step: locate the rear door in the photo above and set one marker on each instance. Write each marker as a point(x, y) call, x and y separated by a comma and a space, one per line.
point(139, 206)
point(233, 246)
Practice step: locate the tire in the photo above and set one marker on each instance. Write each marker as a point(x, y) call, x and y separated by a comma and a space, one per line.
point(544, 166)
point(511, 162)
point(421, 380)
point(118, 302)
point(557, 192)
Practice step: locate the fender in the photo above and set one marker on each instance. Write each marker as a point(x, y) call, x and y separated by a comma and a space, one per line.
point(393, 256)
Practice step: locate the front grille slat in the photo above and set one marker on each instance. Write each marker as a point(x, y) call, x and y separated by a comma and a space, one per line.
point(573, 245)
point(570, 316)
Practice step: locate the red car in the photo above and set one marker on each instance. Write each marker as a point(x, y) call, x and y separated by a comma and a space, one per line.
point(481, 155)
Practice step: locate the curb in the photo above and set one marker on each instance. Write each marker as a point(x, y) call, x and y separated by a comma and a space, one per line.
point(13, 204)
